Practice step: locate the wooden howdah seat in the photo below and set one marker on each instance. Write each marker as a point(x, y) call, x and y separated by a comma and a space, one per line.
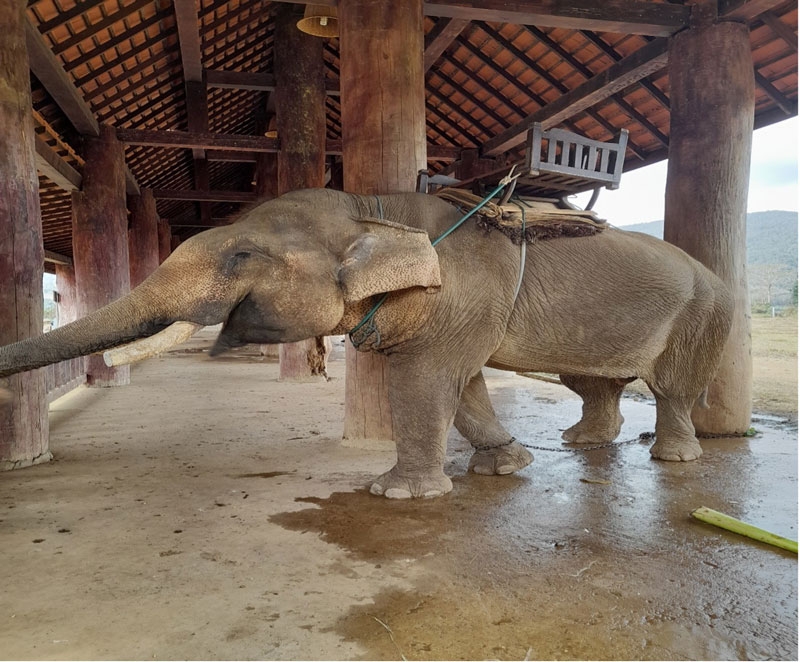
point(558, 163)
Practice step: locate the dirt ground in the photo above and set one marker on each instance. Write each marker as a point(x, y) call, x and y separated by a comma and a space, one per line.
point(775, 364)
point(209, 511)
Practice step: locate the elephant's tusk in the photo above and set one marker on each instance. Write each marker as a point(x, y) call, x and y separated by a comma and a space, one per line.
point(173, 335)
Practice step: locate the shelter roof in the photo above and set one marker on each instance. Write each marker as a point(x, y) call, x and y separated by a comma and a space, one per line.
point(491, 68)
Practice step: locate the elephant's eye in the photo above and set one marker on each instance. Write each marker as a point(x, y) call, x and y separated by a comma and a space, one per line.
point(238, 259)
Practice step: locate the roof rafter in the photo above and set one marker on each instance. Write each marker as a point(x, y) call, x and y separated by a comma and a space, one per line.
point(584, 71)
point(57, 170)
point(255, 81)
point(621, 16)
point(439, 38)
point(107, 22)
point(618, 76)
point(51, 74)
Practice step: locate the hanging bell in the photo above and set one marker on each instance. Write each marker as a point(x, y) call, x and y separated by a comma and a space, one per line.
point(320, 21)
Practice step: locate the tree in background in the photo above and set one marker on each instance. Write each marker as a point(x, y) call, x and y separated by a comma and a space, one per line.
point(772, 284)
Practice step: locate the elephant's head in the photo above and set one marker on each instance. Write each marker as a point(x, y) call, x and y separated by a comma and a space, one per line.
point(287, 270)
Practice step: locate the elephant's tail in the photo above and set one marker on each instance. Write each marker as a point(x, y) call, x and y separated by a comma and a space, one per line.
point(702, 399)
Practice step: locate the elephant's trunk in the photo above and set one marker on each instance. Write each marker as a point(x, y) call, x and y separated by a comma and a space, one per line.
point(164, 298)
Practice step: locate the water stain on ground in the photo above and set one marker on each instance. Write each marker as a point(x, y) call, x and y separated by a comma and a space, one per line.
point(266, 474)
point(561, 568)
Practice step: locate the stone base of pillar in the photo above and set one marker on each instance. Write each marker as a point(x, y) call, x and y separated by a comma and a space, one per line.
point(9, 465)
point(99, 375)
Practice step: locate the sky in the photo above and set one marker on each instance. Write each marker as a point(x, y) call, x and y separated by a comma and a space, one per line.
point(773, 181)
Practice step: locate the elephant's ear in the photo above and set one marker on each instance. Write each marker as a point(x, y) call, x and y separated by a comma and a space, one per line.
point(386, 257)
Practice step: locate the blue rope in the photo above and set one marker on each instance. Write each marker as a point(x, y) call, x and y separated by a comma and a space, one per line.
point(369, 318)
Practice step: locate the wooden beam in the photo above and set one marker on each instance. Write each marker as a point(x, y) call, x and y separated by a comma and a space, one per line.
point(781, 29)
point(189, 39)
point(788, 106)
point(241, 80)
point(745, 10)
point(439, 38)
point(57, 170)
point(57, 258)
point(583, 70)
point(620, 16)
point(46, 67)
point(204, 196)
point(231, 157)
point(247, 146)
point(618, 76)
point(255, 81)
point(194, 223)
point(188, 25)
point(187, 140)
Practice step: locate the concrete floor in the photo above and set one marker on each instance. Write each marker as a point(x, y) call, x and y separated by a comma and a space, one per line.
point(208, 511)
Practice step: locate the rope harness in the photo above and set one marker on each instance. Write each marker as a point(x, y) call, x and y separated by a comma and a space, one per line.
point(531, 223)
point(366, 328)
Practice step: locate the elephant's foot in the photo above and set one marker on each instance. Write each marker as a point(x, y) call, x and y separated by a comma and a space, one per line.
point(501, 460)
point(587, 432)
point(392, 485)
point(676, 450)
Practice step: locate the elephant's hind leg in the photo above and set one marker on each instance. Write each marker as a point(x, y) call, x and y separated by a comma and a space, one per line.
point(601, 420)
point(496, 451)
point(675, 435)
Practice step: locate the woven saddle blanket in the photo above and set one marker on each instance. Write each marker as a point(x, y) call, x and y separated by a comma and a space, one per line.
point(543, 219)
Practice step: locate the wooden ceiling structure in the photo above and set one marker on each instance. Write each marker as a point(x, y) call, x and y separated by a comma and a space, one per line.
point(186, 83)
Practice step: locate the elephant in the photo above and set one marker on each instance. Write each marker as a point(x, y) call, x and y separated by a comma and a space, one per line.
point(598, 310)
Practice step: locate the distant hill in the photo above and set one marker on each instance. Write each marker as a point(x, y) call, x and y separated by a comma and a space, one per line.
point(771, 237)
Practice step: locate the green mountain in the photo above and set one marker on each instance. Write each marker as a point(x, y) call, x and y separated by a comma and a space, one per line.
point(771, 237)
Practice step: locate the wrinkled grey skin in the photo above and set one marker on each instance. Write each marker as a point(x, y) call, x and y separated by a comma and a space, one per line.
point(597, 310)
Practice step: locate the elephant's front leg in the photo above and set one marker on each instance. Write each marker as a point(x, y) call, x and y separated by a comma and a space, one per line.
point(496, 451)
point(423, 405)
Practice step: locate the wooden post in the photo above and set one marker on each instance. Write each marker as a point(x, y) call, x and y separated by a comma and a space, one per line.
point(143, 244)
point(383, 147)
point(24, 431)
point(68, 292)
point(266, 187)
point(300, 117)
point(73, 372)
point(711, 128)
point(100, 240)
point(266, 175)
point(164, 240)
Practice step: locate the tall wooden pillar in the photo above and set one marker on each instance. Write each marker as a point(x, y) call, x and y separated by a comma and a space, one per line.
point(266, 187)
point(67, 288)
point(300, 117)
point(266, 175)
point(164, 240)
point(383, 143)
point(100, 240)
point(23, 425)
point(711, 128)
point(143, 242)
